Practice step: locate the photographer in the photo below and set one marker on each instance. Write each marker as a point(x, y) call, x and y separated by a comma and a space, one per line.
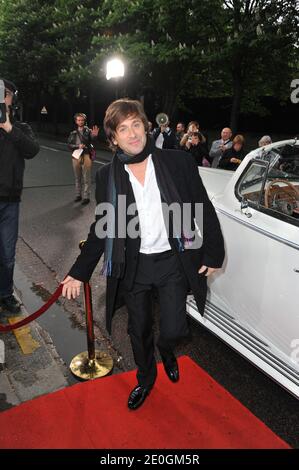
point(192, 127)
point(17, 143)
point(197, 148)
point(80, 143)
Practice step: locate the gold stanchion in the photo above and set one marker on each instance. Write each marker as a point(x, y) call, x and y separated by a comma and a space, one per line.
point(90, 364)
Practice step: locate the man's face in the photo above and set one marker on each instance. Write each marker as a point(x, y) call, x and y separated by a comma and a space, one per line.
point(179, 127)
point(226, 133)
point(8, 98)
point(130, 135)
point(80, 121)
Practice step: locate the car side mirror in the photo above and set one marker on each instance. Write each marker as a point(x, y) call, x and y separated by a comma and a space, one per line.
point(245, 207)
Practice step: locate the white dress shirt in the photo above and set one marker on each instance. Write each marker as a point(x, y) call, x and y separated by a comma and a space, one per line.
point(160, 141)
point(154, 237)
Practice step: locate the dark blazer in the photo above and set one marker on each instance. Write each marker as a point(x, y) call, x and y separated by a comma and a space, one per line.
point(184, 174)
point(87, 138)
point(225, 162)
point(169, 142)
point(15, 147)
point(198, 152)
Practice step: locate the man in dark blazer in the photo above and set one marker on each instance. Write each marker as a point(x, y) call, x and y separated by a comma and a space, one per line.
point(155, 250)
point(164, 136)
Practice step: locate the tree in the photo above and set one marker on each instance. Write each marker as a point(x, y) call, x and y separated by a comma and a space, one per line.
point(28, 54)
point(159, 40)
point(174, 50)
point(254, 49)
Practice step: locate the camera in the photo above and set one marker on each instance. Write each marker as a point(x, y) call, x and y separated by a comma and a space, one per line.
point(2, 102)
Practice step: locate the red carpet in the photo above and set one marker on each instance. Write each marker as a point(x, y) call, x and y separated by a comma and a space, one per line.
point(195, 413)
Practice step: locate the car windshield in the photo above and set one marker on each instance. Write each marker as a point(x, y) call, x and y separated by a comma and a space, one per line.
point(283, 162)
point(272, 182)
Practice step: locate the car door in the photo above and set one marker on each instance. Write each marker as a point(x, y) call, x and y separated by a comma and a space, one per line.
point(260, 287)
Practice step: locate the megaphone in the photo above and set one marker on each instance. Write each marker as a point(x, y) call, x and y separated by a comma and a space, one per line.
point(162, 119)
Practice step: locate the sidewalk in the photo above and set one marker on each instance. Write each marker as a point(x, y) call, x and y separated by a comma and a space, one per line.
point(31, 365)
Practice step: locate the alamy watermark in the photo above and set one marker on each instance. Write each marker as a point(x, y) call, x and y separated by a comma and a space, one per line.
point(2, 352)
point(295, 93)
point(182, 221)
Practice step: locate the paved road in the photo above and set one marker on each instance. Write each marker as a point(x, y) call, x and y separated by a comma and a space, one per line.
point(50, 228)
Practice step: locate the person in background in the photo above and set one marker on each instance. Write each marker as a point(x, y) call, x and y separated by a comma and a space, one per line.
point(17, 144)
point(233, 156)
point(193, 126)
point(197, 148)
point(180, 131)
point(219, 146)
point(150, 127)
point(164, 137)
point(265, 140)
point(81, 139)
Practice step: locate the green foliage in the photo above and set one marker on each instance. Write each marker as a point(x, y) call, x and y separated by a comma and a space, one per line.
point(178, 48)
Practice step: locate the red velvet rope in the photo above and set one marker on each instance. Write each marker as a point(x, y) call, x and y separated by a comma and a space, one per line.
point(38, 313)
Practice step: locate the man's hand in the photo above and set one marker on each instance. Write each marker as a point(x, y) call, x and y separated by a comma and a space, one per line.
point(7, 126)
point(82, 146)
point(95, 131)
point(209, 270)
point(71, 287)
point(235, 160)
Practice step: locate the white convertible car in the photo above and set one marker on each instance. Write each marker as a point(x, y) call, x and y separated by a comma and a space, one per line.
point(253, 304)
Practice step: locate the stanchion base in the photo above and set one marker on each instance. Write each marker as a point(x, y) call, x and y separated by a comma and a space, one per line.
point(86, 369)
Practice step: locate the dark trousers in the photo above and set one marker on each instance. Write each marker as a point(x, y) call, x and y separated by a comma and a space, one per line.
point(163, 272)
point(9, 225)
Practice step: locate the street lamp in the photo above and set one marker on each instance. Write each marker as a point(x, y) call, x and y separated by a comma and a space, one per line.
point(114, 69)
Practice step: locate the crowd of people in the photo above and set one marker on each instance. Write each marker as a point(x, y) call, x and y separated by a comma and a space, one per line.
point(226, 152)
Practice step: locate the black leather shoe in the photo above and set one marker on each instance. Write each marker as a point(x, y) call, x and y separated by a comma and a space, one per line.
point(11, 304)
point(137, 397)
point(78, 198)
point(172, 370)
point(85, 201)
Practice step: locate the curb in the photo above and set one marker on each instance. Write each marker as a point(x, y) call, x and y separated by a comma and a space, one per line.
point(27, 375)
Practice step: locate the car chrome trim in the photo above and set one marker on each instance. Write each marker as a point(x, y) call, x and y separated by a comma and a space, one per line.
point(259, 230)
point(246, 339)
point(222, 313)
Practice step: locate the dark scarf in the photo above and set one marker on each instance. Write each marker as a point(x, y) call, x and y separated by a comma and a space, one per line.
point(114, 256)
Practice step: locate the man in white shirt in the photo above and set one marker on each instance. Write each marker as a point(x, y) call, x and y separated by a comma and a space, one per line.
point(218, 147)
point(164, 136)
point(161, 256)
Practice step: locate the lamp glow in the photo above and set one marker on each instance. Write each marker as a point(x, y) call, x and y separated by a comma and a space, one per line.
point(115, 68)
